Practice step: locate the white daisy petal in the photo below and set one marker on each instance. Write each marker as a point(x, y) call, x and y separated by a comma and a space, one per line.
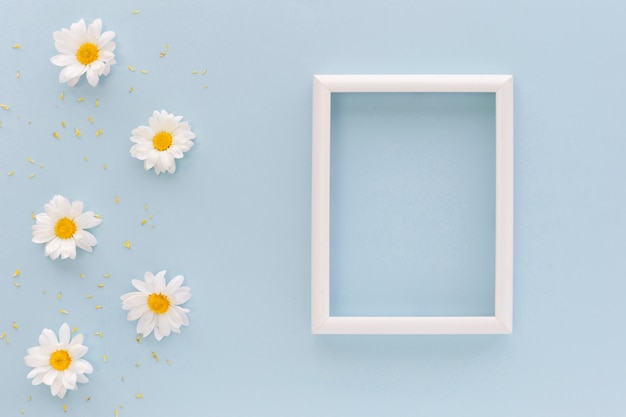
point(48, 339)
point(68, 249)
point(175, 283)
point(146, 323)
point(37, 370)
point(140, 285)
point(71, 72)
point(64, 334)
point(69, 379)
point(77, 340)
point(137, 312)
point(83, 50)
point(155, 305)
point(159, 280)
point(50, 376)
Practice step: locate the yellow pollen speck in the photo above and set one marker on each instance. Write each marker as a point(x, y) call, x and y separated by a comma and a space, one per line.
point(161, 54)
point(89, 296)
point(15, 326)
point(167, 46)
point(150, 216)
point(144, 71)
point(139, 396)
point(143, 221)
point(100, 285)
point(2, 335)
point(104, 358)
point(115, 412)
point(21, 411)
point(99, 132)
point(74, 329)
point(89, 398)
point(126, 244)
point(194, 72)
point(107, 275)
point(31, 176)
point(117, 199)
point(130, 67)
point(30, 397)
point(97, 216)
point(138, 338)
point(63, 123)
point(130, 90)
point(145, 206)
point(123, 378)
point(6, 340)
point(17, 74)
point(63, 311)
point(98, 334)
point(104, 167)
point(85, 158)
point(59, 295)
point(98, 307)
point(89, 119)
point(137, 364)
point(154, 355)
point(136, 11)
point(4, 107)
point(205, 86)
point(62, 95)
point(80, 99)
point(97, 102)
point(65, 408)
point(77, 132)
point(30, 160)
point(56, 135)
point(43, 291)
point(81, 275)
point(168, 362)
point(16, 46)
point(10, 173)
point(204, 72)
point(32, 215)
point(17, 284)
point(16, 273)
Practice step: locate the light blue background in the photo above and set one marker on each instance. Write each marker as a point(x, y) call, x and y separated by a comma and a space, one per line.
point(235, 217)
point(412, 204)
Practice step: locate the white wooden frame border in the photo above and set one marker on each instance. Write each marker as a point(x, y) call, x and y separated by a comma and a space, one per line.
point(321, 320)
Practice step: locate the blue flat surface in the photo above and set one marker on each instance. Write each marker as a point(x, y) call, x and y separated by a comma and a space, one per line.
point(235, 218)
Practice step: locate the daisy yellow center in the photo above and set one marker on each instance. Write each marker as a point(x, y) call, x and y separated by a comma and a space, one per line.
point(162, 141)
point(60, 360)
point(87, 53)
point(158, 303)
point(65, 228)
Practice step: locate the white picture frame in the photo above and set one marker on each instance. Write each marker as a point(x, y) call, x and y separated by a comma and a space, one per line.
point(321, 320)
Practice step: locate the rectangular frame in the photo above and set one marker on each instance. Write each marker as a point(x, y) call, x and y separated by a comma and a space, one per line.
point(321, 320)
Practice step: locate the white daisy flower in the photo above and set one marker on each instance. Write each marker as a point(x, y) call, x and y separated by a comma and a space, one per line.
point(84, 50)
point(62, 228)
point(161, 143)
point(57, 362)
point(156, 305)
